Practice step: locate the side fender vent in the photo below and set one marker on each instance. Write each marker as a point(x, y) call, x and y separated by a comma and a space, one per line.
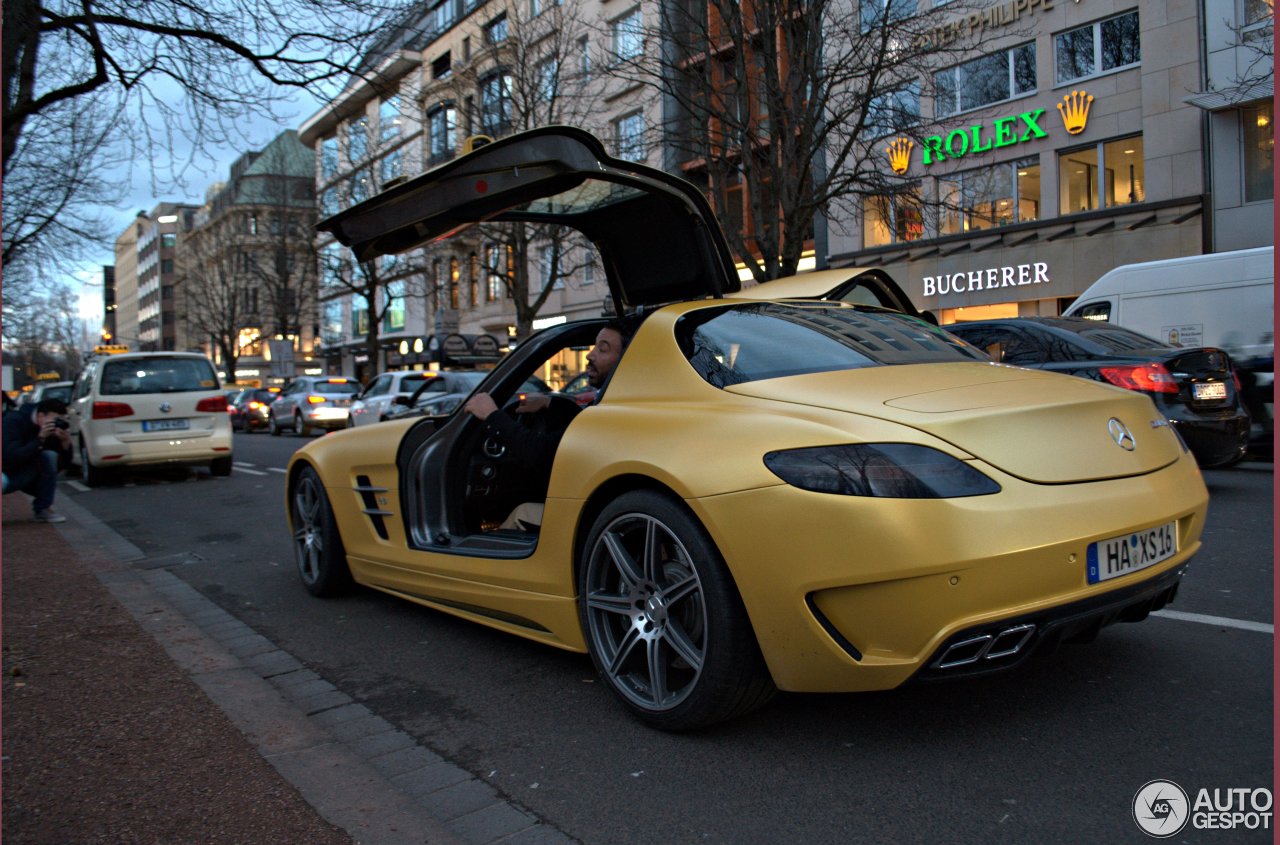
point(369, 496)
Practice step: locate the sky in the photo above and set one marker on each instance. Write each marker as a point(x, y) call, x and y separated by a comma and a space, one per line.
point(142, 195)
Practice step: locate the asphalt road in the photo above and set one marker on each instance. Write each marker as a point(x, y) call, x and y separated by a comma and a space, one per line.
point(1052, 753)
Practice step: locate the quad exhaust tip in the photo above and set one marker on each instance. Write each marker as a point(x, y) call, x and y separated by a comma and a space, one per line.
point(1006, 643)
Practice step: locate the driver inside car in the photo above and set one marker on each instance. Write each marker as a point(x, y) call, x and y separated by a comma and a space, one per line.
point(535, 446)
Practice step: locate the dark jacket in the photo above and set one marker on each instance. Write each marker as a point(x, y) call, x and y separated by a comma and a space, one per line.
point(22, 444)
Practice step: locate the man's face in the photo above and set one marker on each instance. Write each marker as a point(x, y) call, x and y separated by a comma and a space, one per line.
point(603, 356)
point(43, 417)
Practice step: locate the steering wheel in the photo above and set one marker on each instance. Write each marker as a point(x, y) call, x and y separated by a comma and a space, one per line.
point(555, 417)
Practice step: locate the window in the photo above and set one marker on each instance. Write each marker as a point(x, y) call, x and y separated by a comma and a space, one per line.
point(548, 268)
point(455, 273)
point(1259, 152)
point(628, 134)
point(466, 49)
point(894, 111)
point(331, 322)
point(166, 266)
point(985, 80)
point(627, 36)
point(442, 123)
point(1258, 15)
point(329, 157)
point(359, 317)
point(441, 17)
point(990, 196)
point(390, 166)
point(1097, 48)
point(495, 32)
point(388, 119)
point(547, 79)
point(877, 13)
point(892, 218)
point(584, 57)
point(1101, 176)
point(588, 265)
point(169, 239)
point(360, 186)
point(329, 201)
point(357, 140)
point(473, 280)
point(393, 318)
point(495, 104)
point(494, 265)
point(442, 67)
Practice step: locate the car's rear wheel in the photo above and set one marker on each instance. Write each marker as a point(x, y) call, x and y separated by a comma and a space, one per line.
point(91, 475)
point(664, 623)
point(299, 427)
point(273, 426)
point(317, 545)
point(220, 467)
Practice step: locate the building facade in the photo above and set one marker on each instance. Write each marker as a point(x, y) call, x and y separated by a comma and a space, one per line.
point(247, 267)
point(1063, 146)
point(157, 325)
point(465, 69)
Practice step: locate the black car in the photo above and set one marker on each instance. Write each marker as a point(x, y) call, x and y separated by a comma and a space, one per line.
point(443, 394)
point(1195, 388)
point(249, 410)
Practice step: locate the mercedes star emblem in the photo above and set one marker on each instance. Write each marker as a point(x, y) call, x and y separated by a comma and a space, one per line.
point(1121, 434)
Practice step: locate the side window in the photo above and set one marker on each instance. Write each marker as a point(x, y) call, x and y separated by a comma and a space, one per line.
point(83, 383)
point(1100, 311)
point(379, 387)
point(1021, 349)
point(437, 386)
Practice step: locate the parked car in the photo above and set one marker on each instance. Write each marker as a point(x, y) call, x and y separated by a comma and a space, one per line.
point(312, 402)
point(249, 410)
point(1195, 389)
point(443, 394)
point(805, 495)
point(47, 390)
point(580, 390)
point(375, 402)
point(148, 409)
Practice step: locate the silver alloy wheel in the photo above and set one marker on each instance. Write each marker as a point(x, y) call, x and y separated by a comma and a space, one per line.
point(646, 612)
point(308, 529)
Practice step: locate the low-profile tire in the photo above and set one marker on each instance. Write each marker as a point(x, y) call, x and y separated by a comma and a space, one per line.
point(220, 467)
point(663, 620)
point(273, 426)
point(91, 475)
point(317, 545)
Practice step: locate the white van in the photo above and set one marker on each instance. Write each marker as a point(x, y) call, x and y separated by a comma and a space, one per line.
point(1222, 299)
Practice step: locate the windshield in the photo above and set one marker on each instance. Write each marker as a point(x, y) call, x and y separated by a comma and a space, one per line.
point(157, 375)
point(770, 340)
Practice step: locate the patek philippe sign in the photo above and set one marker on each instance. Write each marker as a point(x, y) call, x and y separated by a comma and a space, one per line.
point(977, 23)
point(988, 278)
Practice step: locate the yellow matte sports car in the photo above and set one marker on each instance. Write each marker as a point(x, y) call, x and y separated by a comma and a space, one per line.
point(804, 495)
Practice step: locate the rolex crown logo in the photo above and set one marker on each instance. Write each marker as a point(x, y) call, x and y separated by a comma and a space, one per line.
point(1074, 109)
point(899, 154)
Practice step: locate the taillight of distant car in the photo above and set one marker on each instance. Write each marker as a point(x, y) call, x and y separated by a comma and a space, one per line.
point(1149, 378)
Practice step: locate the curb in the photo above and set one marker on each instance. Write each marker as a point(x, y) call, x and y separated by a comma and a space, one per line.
point(356, 769)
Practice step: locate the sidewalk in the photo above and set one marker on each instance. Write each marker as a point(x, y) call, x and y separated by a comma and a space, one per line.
point(137, 711)
point(104, 738)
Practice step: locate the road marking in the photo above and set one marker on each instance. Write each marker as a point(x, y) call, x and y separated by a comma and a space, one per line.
point(76, 485)
point(1221, 621)
point(249, 471)
point(277, 469)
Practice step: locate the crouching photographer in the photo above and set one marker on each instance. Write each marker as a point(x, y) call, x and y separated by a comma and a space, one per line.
point(36, 445)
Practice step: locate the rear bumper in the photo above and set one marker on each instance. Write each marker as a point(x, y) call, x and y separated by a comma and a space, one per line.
point(1215, 442)
point(176, 450)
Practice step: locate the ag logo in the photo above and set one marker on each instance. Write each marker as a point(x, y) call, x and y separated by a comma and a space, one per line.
point(1161, 808)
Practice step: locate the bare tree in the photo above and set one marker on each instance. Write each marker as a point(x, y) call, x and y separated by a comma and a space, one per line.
point(533, 77)
point(42, 330)
point(215, 297)
point(370, 282)
point(778, 102)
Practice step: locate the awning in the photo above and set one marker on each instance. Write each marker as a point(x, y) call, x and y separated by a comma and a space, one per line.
point(1225, 98)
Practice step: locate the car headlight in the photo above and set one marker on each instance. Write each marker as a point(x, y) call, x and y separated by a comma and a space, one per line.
point(886, 470)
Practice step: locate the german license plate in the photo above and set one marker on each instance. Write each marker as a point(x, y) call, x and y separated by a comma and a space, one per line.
point(1131, 552)
point(165, 425)
point(1210, 390)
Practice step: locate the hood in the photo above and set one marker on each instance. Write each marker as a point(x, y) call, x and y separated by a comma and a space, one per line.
point(657, 237)
point(1041, 427)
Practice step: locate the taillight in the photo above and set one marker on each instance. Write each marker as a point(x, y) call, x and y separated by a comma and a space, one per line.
point(111, 410)
point(213, 403)
point(1149, 378)
point(1235, 377)
point(317, 400)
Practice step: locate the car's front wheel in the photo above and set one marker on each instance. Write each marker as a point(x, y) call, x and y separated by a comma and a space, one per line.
point(664, 623)
point(273, 426)
point(317, 545)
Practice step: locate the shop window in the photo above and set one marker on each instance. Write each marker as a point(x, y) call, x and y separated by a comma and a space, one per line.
point(892, 218)
point(1259, 152)
point(359, 318)
point(990, 196)
point(393, 319)
point(1101, 176)
point(1100, 47)
point(626, 36)
point(986, 80)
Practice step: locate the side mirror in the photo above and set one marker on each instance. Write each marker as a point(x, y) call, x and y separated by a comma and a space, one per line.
point(406, 401)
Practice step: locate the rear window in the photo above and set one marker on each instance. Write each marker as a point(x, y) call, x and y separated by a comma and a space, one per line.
point(772, 340)
point(156, 375)
point(337, 387)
